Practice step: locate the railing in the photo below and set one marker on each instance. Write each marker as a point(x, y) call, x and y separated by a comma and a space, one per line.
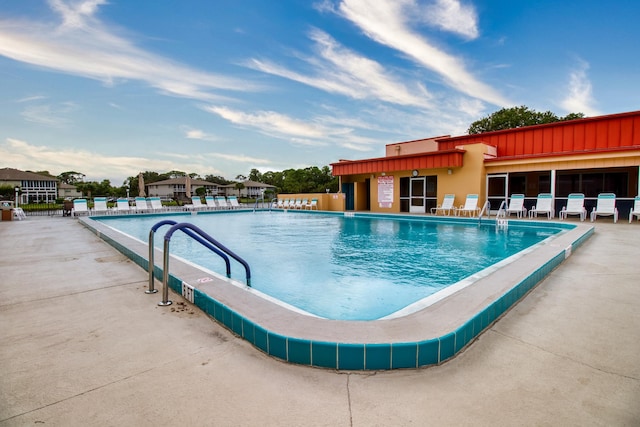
point(255, 206)
point(189, 233)
point(502, 210)
point(201, 235)
point(485, 208)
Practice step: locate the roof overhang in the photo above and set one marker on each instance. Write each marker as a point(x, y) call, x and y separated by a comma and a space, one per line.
point(433, 160)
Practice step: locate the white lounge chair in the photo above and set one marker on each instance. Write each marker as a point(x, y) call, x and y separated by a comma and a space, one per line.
point(303, 204)
point(196, 203)
point(156, 204)
point(222, 202)
point(210, 202)
point(575, 206)
point(606, 206)
point(313, 204)
point(280, 204)
point(233, 202)
point(297, 204)
point(122, 205)
point(516, 206)
point(446, 206)
point(470, 206)
point(19, 214)
point(544, 205)
point(100, 206)
point(80, 207)
point(635, 211)
point(140, 205)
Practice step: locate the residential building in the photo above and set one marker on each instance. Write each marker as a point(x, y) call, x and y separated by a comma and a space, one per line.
point(68, 191)
point(176, 188)
point(31, 187)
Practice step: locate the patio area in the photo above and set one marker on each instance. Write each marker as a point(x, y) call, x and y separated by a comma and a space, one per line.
point(84, 345)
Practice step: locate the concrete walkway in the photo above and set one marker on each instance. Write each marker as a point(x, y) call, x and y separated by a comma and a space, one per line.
point(82, 344)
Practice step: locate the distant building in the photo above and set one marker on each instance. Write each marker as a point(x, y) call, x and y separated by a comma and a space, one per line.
point(32, 187)
point(176, 188)
point(252, 189)
point(68, 191)
point(590, 156)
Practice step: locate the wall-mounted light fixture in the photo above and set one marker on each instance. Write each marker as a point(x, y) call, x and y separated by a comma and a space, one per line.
point(449, 171)
point(383, 174)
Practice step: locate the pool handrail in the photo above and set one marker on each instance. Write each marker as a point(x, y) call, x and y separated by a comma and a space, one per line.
point(152, 289)
point(485, 208)
point(167, 238)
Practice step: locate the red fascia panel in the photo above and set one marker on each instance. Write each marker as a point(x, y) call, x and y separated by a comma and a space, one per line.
point(439, 159)
point(592, 133)
point(568, 153)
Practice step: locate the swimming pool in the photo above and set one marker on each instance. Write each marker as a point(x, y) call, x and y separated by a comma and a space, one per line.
point(346, 268)
point(428, 334)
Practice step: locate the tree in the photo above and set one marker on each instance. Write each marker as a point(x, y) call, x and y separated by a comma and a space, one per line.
point(515, 117)
point(71, 177)
point(217, 179)
point(255, 175)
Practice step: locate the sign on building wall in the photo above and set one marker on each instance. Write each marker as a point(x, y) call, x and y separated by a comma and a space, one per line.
point(385, 191)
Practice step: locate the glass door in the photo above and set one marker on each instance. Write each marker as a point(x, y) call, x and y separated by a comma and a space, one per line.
point(497, 191)
point(417, 202)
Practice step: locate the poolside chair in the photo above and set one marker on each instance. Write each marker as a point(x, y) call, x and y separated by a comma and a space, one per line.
point(313, 204)
point(80, 207)
point(222, 202)
point(575, 206)
point(470, 206)
point(280, 204)
point(606, 206)
point(286, 204)
point(196, 203)
point(233, 202)
point(447, 205)
point(635, 211)
point(140, 205)
point(156, 204)
point(297, 204)
point(303, 204)
point(544, 204)
point(210, 202)
point(122, 205)
point(100, 205)
point(516, 206)
point(19, 214)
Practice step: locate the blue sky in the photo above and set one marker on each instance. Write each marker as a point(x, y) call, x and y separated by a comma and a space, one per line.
point(113, 88)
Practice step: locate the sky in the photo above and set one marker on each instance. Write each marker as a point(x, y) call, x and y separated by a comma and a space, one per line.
point(111, 88)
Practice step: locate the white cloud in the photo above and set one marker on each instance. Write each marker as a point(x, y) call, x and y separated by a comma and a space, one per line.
point(452, 16)
point(270, 122)
point(81, 45)
point(337, 69)
point(579, 97)
point(387, 22)
point(200, 135)
point(49, 115)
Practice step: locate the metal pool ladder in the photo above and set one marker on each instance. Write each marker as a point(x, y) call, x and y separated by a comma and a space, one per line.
point(198, 235)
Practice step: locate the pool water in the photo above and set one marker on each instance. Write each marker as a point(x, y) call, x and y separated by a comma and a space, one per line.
point(337, 267)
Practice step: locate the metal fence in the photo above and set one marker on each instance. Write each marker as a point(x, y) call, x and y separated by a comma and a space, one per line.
point(42, 209)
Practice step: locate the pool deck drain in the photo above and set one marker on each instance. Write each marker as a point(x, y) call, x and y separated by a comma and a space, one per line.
point(83, 343)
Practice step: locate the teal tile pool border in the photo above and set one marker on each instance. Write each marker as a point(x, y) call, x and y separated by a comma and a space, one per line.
point(362, 356)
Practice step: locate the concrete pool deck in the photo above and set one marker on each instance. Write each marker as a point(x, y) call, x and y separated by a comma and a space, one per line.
point(82, 344)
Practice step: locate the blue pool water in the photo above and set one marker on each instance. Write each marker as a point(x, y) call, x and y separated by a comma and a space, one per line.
point(339, 267)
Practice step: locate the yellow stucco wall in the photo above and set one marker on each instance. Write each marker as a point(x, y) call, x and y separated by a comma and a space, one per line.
point(326, 201)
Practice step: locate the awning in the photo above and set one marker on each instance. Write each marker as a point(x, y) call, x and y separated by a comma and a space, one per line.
point(432, 160)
